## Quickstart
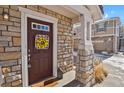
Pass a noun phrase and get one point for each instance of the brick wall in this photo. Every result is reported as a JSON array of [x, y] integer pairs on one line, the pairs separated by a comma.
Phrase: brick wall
[[10, 43]]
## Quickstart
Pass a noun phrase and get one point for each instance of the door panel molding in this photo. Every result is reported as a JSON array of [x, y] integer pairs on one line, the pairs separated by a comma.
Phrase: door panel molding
[[41, 60], [32, 14]]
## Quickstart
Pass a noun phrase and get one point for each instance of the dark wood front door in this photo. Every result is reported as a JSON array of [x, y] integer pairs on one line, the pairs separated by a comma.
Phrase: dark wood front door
[[40, 49]]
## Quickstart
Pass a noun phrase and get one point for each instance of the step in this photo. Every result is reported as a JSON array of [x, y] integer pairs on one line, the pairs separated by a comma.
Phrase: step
[[52, 84], [39, 84], [49, 82]]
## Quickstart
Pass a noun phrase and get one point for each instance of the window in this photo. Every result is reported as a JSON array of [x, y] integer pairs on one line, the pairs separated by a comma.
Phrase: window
[[88, 30], [37, 26], [109, 24], [100, 26], [34, 26]]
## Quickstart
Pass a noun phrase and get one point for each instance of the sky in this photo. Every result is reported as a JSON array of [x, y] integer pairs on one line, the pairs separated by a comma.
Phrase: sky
[[114, 11]]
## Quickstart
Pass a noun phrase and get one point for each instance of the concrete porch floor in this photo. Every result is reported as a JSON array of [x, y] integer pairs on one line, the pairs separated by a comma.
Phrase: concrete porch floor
[[115, 76], [74, 83]]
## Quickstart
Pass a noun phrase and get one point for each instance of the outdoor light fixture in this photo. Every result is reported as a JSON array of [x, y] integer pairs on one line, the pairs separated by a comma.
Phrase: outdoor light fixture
[[81, 14], [74, 33], [5, 15]]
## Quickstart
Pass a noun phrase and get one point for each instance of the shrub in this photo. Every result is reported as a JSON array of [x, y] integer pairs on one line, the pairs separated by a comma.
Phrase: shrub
[[99, 71]]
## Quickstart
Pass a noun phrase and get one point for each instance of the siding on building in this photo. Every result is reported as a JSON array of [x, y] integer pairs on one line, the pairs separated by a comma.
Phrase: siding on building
[[104, 33]]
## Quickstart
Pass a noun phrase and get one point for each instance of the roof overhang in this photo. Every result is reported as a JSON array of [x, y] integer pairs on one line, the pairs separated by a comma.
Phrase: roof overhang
[[96, 12], [62, 10], [74, 11]]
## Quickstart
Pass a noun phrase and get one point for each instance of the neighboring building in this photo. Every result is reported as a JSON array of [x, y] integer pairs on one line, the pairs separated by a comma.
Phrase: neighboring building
[[36, 44], [105, 35], [121, 38]]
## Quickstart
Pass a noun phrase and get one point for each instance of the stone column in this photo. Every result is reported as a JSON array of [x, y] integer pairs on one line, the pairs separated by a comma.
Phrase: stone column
[[84, 69], [116, 34], [115, 44]]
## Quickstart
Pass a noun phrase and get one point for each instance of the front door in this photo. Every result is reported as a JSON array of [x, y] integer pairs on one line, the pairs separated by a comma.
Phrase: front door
[[40, 50]]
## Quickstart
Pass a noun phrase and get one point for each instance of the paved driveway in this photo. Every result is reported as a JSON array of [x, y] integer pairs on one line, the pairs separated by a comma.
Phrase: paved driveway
[[115, 67]]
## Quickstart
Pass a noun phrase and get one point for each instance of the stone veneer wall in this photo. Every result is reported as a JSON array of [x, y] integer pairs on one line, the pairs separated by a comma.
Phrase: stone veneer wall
[[103, 44], [10, 46], [85, 69], [10, 43]]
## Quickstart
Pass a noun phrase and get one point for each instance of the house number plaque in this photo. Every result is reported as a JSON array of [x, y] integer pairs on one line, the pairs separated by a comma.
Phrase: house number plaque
[[41, 41]]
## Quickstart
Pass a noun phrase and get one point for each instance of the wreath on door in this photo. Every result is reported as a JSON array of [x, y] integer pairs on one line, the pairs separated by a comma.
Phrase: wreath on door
[[42, 41]]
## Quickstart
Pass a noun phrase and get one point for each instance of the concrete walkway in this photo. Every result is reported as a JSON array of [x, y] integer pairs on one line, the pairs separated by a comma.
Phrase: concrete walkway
[[115, 76]]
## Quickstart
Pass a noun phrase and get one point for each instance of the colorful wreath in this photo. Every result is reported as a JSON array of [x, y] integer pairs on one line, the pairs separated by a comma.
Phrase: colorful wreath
[[41, 43]]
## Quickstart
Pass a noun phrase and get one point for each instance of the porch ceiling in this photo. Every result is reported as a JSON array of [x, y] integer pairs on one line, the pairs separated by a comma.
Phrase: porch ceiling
[[62, 10], [73, 11], [95, 11]]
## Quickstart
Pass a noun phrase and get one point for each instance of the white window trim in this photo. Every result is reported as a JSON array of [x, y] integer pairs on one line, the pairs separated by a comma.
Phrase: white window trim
[[29, 13], [103, 35]]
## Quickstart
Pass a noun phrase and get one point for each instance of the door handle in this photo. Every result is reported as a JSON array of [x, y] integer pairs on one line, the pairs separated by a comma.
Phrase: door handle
[[29, 65], [29, 50], [29, 57]]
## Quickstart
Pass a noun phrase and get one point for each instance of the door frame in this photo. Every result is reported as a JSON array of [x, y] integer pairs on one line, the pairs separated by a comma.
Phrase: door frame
[[36, 15]]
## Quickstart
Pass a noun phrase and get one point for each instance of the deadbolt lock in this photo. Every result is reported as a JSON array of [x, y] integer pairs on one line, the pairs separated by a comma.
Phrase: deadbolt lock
[[29, 65]]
